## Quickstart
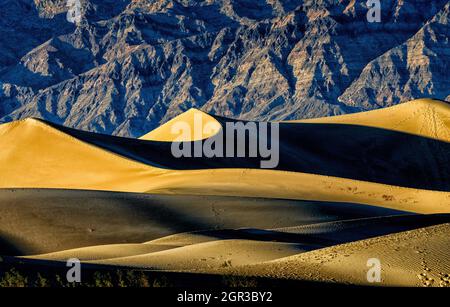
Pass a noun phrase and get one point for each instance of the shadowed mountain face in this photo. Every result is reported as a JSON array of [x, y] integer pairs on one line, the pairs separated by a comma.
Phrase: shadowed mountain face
[[132, 65]]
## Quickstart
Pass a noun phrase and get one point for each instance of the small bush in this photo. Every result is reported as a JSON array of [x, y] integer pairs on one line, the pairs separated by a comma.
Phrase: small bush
[[14, 279], [239, 282]]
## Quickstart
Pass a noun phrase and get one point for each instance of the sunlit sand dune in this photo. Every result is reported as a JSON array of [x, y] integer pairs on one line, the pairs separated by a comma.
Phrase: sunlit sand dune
[[418, 257], [192, 117], [425, 117], [53, 157], [209, 254], [35, 155], [289, 185], [347, 188]]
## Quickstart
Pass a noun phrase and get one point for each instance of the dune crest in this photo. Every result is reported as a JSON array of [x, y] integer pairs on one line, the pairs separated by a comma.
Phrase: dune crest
[[292, 185], [424, 117], [165, 133], [36, 155]]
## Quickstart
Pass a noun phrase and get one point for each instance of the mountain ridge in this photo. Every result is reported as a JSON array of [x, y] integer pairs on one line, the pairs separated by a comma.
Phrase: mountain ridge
[[127, 70]]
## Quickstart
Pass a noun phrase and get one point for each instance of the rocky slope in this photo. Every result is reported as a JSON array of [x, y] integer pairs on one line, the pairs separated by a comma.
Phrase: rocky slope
[[131, 65]]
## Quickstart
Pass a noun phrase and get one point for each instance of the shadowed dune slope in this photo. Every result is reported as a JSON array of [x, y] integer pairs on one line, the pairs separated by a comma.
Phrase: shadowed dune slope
[[316, 234], [215, 249], [40, 221]]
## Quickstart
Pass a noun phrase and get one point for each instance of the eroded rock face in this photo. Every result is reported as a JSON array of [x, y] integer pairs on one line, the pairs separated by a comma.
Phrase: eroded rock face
[[129, 66], [416, 68]]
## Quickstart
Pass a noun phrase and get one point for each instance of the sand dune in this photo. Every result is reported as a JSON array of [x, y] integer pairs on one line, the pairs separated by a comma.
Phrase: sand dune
[[356, 178], [210, 250], [35, 221], [413, 258], [424, 117], [290, 185], [350, 151], [165, 133], [101, 252], [36, 155], [76, 160], [204, 256], [315, 234]]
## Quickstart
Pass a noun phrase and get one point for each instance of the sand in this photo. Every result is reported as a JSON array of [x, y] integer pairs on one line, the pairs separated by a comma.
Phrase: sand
[[294, 252], [204, 256], [124, 202], [290, 185], [101, 252], [167, 132], [50, 158], [424, 117], [36, 155], [42, 221], [413, 258]]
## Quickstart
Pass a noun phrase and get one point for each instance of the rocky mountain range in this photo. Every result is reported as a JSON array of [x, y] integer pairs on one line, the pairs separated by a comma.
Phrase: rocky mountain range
[[131, 65]]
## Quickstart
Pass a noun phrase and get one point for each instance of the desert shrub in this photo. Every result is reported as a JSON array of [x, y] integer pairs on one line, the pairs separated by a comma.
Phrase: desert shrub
[[41, 282], [102, 280], [13, 278], [233, 281], [161, 282]]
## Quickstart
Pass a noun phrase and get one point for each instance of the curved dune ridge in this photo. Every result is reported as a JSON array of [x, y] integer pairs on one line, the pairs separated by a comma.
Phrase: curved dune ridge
[[53, 158], [424, 117], [37, 221], [413, 258], [212, 250], [347, 188], [168, 131], [35, 155]]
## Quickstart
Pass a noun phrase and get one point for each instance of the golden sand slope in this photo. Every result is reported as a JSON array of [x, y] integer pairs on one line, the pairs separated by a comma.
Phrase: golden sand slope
[[290, 185], [208, 255], [201, 256], [424, 117], [413, 258], [35, 155], [192, 117], [103, 252]]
